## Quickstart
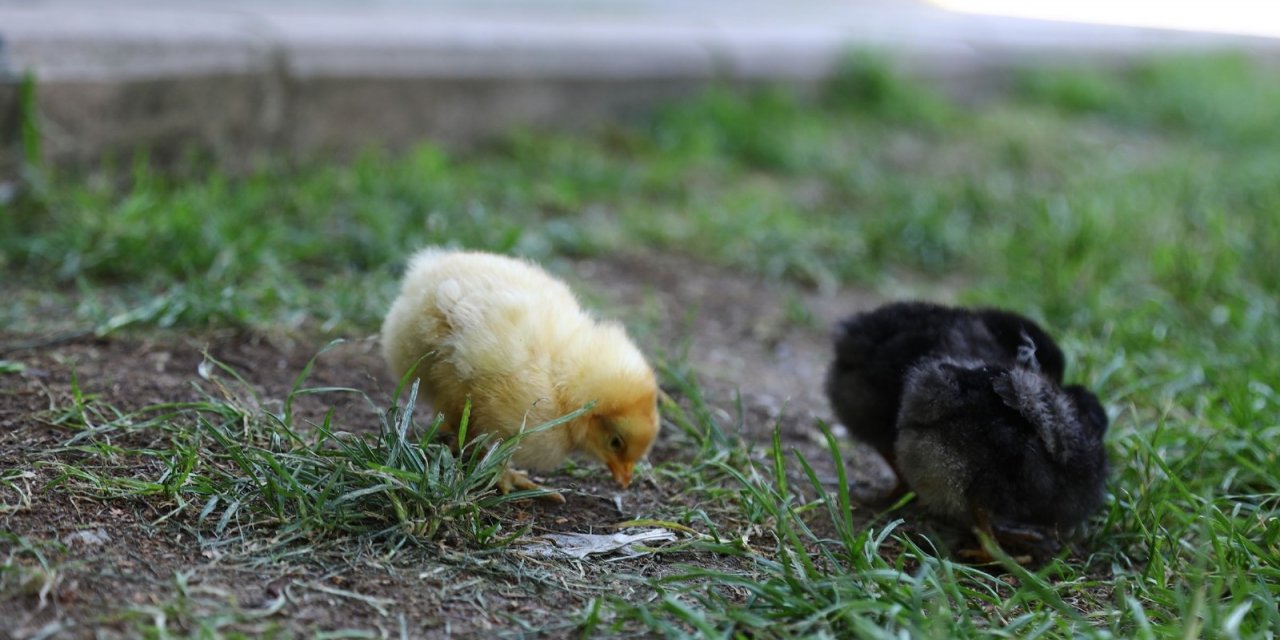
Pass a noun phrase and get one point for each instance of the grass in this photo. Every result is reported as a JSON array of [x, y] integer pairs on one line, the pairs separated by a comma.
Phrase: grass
[[1132, 210], [224, 460]]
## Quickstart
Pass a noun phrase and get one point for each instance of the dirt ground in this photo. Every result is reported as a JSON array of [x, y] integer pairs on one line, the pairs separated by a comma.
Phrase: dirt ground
[[762, 339]]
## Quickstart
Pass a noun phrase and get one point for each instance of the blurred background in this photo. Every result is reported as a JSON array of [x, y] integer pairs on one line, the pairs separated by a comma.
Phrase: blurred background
[[234, 80]]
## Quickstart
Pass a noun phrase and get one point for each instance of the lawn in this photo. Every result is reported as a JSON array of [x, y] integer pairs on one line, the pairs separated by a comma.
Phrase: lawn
[[197, 437]]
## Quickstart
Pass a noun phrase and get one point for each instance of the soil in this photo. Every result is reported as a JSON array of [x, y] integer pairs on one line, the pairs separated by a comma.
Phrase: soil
[[765, 340]]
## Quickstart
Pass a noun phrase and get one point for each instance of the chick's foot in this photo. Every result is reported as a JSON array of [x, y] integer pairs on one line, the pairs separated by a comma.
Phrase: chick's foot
[[516, 480], [1026, 544], [1039, 543], [982, 556]]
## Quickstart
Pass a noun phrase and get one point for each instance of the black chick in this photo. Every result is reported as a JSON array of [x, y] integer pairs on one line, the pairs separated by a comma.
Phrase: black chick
[[1002, 448], [875, 350]]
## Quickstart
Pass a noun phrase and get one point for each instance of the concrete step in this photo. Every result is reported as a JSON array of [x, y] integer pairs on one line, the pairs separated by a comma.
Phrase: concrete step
[[241, 79]]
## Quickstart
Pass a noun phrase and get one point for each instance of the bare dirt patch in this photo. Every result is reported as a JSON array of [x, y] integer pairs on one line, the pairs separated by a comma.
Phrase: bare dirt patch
[[764, 340]]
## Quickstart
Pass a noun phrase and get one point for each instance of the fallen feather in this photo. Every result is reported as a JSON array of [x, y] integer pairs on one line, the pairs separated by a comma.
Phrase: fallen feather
[[581, 545], [87, 537]]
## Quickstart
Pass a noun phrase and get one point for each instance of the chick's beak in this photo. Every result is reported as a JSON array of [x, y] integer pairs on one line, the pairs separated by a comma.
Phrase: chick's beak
[[622, 472]]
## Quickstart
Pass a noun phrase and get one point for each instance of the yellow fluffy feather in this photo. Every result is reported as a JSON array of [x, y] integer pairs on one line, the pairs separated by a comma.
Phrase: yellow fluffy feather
[[515, 340]]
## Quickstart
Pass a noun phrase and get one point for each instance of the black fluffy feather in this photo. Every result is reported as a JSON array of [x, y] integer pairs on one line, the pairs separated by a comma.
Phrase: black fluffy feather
[[1009, 442], [875, 350], [968, 408]]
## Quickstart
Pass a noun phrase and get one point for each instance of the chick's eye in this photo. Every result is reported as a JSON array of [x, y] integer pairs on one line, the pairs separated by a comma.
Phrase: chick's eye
[[615, 443]]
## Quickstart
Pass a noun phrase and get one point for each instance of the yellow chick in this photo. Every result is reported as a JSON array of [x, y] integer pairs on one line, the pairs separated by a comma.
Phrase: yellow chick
[[513, 339]]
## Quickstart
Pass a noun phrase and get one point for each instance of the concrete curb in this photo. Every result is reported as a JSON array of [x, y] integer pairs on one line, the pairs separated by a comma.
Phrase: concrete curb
[[238, 81]]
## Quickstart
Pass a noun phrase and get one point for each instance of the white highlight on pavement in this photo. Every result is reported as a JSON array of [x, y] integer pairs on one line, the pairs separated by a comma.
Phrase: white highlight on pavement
[[1240, 17]]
